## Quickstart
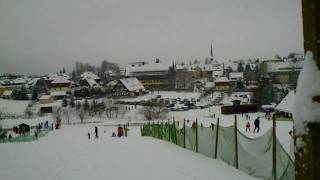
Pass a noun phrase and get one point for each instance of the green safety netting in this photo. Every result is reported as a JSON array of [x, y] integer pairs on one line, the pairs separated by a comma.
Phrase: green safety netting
[[226, 145], [254, 154], [25, 138], [207, 141], [190, 138], [285, 165]]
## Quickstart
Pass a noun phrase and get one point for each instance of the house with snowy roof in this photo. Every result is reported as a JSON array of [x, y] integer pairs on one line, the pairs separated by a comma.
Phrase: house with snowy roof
[[153, 75], [89, 79], [285, 108], [222, 84], [60, 84], [236, 76], [282, 71], [128, 87]]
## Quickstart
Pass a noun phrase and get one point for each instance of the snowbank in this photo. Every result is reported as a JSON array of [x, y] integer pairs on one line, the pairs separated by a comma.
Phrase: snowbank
[[305, 108]]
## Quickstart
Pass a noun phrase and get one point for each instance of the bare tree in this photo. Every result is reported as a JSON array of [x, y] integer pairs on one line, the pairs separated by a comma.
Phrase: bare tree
[[154, 111], [81, 113]]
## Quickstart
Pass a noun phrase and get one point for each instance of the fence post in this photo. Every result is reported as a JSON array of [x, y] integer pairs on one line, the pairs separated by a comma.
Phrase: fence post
[[184, 133], [125, 130], [196, 135], [217, 135], [236, 139], [274, 144]]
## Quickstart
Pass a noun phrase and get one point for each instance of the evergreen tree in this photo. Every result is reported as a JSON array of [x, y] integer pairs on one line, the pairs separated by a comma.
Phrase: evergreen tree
[[240, 66], [34, 94], [78, 106], [72, 103], [64, 102]]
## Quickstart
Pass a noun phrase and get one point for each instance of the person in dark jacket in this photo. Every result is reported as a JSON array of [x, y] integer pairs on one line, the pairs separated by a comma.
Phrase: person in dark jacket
[[88, 135], [96, 131], [256, 125]]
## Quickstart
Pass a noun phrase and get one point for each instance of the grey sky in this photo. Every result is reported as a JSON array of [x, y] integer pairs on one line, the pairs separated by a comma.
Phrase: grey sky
[[41, 36]]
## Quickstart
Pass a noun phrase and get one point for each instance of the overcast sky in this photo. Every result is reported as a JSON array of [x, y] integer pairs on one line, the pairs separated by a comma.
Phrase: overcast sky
[[42, 36]]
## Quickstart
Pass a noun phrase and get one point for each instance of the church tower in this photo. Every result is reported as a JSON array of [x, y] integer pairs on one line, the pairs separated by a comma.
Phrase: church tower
[[211, 54]]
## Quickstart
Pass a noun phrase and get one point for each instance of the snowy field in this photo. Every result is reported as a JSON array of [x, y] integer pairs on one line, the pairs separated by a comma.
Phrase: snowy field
[[68, 154], [13, 106]]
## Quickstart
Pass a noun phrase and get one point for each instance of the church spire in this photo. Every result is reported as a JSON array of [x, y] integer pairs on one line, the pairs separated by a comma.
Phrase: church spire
[[211, 53]]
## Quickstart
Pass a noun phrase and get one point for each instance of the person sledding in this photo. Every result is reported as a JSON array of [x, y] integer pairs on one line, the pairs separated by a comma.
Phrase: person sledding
[[120, 131]]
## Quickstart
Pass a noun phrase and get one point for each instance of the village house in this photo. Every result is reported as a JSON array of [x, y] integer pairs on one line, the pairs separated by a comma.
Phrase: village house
[[60, 84], [46, 99], [282, 71], [152, 75], [89, 79], [222, 84], [128, 87]]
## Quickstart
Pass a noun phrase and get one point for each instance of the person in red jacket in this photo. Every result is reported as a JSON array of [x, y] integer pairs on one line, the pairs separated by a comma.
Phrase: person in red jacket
[[248, 126], [120, 131]]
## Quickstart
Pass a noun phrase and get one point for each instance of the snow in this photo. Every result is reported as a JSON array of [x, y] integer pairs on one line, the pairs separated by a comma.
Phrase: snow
[[68, 154], [44, 97], [13, 106], [236, 75], [89, 75], [164, 94], [92, 82], [60, 80], [286, 105], [132, 84], [7, 93], [58, 93], [9, 123], [305, 108], [222, 79]]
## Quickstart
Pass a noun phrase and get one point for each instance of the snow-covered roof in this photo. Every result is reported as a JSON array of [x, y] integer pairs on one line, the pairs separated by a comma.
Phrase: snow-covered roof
[[7, 93], [92, 82], [60, 75], [89, 75], [209, 84], [132, 84], [58, 93], [286, 105], [203, 67], [60, 80], [148, 68], [222, 79], [236, 75], [44, 97], [111, 83], [278, 66]]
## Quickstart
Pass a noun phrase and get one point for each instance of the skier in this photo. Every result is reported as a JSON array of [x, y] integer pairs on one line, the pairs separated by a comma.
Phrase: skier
[[120, 131], [113, 134], [256, 125], [194, 125], [248, 126], [36, 134], [96, 131], [88, 135]]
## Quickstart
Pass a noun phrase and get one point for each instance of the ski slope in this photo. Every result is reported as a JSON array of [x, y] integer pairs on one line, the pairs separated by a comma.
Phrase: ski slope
[[68, 154]]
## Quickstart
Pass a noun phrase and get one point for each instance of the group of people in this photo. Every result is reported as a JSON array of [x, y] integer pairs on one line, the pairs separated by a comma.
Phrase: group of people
[[256, 125], [120, 132]]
